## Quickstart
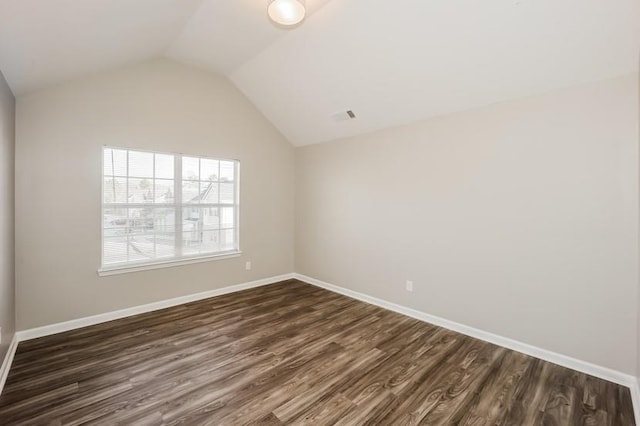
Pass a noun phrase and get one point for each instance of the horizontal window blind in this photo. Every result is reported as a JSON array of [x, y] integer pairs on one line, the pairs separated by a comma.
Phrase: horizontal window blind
[[159, 207]]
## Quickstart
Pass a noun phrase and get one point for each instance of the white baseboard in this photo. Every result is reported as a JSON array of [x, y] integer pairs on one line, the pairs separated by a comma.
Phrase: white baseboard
[[48, 330], [546, 355], [8, 359]]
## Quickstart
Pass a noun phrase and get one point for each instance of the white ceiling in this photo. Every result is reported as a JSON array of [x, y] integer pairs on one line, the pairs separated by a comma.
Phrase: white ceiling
[[391, 62], [224, 34], [43, 42], [394, 62]]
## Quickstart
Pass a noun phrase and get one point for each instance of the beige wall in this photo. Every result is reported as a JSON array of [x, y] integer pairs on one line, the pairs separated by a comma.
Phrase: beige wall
[[7, 282], [520, 219], [158, 105]]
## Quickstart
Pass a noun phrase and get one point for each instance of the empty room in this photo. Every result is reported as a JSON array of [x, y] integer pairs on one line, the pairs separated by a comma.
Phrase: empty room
[[327, 212]]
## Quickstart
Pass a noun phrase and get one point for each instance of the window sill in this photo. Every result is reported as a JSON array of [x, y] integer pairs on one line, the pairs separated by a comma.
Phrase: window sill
[[104, 272]]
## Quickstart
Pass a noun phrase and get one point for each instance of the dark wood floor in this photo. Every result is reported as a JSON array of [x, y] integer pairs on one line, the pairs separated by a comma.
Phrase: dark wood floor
[[291, 353]]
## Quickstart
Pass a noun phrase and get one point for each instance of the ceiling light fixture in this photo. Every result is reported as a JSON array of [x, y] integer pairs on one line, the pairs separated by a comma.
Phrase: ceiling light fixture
[[286, 12]]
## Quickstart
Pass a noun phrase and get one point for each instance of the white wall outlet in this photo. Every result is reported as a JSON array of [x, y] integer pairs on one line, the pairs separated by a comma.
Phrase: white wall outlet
[[409, 285], [247, 266]]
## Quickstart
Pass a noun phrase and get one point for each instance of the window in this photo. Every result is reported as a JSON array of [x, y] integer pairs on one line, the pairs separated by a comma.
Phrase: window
[[161, 208]]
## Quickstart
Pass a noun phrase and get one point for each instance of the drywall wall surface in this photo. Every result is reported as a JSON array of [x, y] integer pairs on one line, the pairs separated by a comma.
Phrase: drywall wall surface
[[157, 105], [7, 276], [520, 219]]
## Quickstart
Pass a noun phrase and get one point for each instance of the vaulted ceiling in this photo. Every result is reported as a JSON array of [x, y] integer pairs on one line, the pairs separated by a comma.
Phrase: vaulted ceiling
[[391, 62]]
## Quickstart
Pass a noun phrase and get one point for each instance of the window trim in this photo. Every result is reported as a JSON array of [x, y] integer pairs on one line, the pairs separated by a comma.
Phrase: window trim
[[121, 268], [107, 271]]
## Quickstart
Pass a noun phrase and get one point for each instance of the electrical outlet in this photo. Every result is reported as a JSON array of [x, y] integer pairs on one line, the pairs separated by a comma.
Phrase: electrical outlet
[[247, 266], [409, 285]]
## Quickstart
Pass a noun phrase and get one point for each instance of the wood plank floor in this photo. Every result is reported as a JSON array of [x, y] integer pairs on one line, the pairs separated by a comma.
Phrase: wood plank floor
[[291, 353]]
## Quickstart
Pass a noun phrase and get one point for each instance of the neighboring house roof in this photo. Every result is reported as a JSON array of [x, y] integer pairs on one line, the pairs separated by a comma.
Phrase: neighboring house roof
[[208, 195], [115, 191]]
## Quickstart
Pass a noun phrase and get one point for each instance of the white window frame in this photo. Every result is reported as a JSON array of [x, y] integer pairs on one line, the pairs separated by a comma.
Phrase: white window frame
[[179, 205]]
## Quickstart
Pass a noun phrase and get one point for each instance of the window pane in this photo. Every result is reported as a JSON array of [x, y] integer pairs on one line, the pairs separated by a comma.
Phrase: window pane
[[190, 192], [164, 191], [203, 242], [210, 242], [191, 242], [227, 193], [227, 239], [114, 190], [190, 168], [114, 222], [141, 247], [141, 221], [165, 244], [114, 250], [209, 192], [199, 226], [165, 219], [164, 227], [140, 191], [227, 217], [115, 162], [208, 170], [200, 218], [227, 173], [210, 218], [140, 164], [191, 219], [164, 166], [107, 162]]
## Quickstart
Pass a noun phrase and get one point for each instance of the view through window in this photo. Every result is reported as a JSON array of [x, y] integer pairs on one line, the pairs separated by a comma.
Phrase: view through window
[[159, 207]]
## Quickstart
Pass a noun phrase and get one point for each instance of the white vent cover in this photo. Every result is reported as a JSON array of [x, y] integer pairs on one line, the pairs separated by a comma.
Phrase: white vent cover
[[343, 116]]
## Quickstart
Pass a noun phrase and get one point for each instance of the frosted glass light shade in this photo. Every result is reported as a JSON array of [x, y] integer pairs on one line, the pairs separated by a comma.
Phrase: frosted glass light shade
[[286, 12]]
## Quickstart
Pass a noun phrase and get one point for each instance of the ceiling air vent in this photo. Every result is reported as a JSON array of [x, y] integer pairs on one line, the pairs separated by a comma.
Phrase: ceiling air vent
[[343, 116]]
